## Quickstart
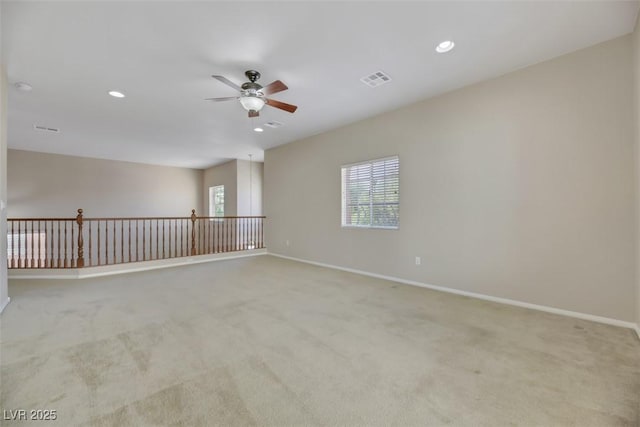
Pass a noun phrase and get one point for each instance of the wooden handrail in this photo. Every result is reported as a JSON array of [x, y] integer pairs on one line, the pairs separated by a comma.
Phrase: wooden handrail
[[116, 218], [133, 218], [140, 218], [52, 242], [41, 219], [228, 217]]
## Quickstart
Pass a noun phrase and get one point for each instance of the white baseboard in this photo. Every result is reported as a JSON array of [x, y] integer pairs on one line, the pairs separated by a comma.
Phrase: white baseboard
[[108, 270], [6, 303], [578, 315], [637, 328]]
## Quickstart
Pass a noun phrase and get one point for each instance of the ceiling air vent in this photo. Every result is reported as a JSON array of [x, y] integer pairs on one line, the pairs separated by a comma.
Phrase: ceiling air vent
[[273, 124], [46, 129], [376, 79]]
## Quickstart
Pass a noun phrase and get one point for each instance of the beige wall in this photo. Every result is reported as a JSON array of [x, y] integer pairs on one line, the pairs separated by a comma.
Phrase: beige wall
[[636, 120], [225, 174], [250, 188], [520, 187], [240, 186], [3, 188], [42, 184]]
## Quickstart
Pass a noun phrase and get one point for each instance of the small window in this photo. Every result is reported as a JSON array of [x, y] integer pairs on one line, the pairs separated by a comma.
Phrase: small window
[[216, 200], [370, 194]]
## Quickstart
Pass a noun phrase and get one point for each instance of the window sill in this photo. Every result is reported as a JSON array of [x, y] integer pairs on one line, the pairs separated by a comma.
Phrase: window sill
[[370, 227]]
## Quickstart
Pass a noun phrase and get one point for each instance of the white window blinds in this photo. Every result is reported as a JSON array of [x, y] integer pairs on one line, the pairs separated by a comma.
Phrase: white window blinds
[[370, 194], [216, 200]]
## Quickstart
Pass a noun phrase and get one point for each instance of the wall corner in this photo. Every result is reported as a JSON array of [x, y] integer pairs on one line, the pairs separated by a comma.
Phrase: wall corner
[[636, 143]]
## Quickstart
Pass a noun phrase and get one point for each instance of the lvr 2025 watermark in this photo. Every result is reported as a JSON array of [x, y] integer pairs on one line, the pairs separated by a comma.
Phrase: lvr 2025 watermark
[[29, 414]]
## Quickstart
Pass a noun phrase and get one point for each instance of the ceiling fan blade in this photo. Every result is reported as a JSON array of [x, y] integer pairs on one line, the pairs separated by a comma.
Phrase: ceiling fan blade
[[281, 105], [274, 87], [228, 82], [254, 113], [228, 98]]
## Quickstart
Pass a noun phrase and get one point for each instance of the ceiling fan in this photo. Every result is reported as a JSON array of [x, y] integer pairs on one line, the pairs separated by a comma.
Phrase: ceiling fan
[[253, 96]]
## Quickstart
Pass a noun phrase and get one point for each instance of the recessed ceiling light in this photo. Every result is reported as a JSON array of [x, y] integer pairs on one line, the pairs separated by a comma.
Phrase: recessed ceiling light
[[258, 129], [116, 94], [445, 46], [23, 87]]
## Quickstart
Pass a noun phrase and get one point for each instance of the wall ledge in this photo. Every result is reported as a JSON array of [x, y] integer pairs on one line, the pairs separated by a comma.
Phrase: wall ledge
[[544, 308], [108, 270]]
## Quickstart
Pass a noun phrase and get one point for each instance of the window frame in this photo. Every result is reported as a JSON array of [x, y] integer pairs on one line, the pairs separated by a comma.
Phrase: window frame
[[344, 205]]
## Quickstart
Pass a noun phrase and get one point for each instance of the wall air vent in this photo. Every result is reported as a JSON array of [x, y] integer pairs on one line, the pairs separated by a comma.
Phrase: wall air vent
[[376, 79], [273, 124], [46, 129]]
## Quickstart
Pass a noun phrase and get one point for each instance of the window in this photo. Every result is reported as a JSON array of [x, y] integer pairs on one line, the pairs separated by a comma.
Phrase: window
[[216, 200], [370, 194]]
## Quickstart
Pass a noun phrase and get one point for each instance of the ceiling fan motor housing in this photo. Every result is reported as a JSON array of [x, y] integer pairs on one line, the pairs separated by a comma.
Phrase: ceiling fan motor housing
[[252, 75], [251, 88]]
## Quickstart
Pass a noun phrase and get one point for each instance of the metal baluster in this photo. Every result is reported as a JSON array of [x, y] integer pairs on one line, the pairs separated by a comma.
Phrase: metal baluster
[[98, 226], [210, 235], [175, 238], [72, 261], [13, 245], [170, 238], [137, 240], [114, 241], [65, 249], [144, 241], [90, 244], [58, 258]]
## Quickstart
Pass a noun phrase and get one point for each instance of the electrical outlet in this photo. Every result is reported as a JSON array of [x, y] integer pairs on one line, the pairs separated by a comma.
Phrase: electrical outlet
[[418, 260], [287, 243]]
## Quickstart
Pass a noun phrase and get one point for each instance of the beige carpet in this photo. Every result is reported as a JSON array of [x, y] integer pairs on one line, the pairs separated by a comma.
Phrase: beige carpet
[[265, 341]]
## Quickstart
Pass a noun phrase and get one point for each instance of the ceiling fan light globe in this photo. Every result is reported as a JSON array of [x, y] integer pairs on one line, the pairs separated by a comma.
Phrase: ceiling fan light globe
[[252, 103]]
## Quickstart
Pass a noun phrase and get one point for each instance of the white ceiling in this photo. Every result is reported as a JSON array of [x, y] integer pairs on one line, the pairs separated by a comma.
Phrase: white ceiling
[[162, 56]]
